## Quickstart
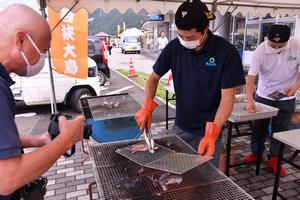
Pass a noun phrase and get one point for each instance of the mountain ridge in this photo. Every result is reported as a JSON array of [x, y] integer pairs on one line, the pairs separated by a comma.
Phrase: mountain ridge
[[115, 18]]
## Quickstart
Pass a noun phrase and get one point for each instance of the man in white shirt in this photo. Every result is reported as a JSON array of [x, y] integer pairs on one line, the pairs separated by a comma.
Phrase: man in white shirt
[[161, 42], [276, 62]]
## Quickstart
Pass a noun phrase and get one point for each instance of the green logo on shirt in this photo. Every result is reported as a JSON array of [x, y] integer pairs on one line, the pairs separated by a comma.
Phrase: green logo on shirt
[[292, 58], [211, 62]]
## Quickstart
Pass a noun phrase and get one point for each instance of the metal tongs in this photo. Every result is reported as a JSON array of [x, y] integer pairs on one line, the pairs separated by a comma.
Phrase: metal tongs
[[149, 138]]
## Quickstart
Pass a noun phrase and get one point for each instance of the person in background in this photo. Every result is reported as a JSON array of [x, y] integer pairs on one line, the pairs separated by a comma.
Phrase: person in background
[[276, 62], [161, 42], [206, 70], [25, 37], [109, 46]]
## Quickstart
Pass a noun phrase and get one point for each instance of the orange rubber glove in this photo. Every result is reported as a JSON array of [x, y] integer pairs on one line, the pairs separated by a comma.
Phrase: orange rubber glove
[[208, 142], [144, 115]]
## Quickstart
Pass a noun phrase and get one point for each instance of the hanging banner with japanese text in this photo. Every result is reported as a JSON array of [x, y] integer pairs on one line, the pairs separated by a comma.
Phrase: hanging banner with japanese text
[[69, 42]]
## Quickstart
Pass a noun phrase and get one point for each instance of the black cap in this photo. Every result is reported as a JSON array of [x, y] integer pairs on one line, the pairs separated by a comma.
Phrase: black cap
[[279, 33], [193, 14]]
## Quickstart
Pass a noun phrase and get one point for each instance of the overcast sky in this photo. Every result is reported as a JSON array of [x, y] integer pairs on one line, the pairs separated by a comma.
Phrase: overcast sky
[[31, 3]]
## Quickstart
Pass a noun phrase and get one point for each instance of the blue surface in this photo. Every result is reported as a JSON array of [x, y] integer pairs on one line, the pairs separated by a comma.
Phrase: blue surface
[[292, 127], [116, 129], [241, 52]]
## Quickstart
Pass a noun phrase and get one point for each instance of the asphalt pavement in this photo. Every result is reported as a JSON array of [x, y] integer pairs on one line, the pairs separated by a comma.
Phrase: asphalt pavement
[[142, 62]]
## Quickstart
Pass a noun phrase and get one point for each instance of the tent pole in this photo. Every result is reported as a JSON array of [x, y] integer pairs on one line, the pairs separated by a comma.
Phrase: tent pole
[[214, 9], [52, 91], [76, 2]]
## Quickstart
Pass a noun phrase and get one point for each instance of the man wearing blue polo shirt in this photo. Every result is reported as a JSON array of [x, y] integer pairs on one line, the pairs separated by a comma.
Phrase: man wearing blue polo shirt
[[206, 70]]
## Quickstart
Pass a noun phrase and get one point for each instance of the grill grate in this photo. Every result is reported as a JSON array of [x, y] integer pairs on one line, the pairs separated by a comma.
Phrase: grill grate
[[145, 157], [120, 178], [164, 159], [178, 163], [221, 190], [109, 106]]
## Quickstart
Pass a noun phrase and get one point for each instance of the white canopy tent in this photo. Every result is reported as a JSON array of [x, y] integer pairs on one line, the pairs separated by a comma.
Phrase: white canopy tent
[[255, 7], [131, 32]]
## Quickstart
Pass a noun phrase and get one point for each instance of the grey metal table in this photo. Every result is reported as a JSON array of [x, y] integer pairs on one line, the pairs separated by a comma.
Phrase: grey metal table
[[241, 115], [120, 178], [290, 138], [169, 89], [297, 107]]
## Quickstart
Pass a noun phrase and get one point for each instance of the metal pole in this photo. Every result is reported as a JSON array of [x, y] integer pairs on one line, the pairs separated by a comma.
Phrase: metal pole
[[259, 154], [259, 31], [167, 109], [245, 34], [228, 148], [233, 29], [76, 2], [277, 176], [213, 9], [52, 91]]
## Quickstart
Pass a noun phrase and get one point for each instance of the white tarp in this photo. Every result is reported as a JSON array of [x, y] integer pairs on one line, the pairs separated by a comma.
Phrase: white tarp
[[255, 7], [121, 5], [261, 7], [132, 32]]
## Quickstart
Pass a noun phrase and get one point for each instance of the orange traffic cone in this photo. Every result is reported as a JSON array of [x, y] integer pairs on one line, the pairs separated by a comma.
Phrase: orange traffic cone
[[170, 80], [131, 69]]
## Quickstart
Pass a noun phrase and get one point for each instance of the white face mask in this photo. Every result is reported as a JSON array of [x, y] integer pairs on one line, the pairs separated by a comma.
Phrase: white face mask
[[276, 50], [191, 44], [32, 70], [273, 50]]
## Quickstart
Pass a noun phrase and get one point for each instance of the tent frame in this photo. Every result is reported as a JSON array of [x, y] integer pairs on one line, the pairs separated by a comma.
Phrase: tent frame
[[53, 103]]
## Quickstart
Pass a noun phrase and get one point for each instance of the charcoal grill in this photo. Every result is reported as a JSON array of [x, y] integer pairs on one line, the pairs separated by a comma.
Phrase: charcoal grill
[[120, 178], [112, 117]]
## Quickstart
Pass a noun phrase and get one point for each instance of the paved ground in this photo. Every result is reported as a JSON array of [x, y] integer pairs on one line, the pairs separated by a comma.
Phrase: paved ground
[[69, 177], [261, 187], [142, 62]]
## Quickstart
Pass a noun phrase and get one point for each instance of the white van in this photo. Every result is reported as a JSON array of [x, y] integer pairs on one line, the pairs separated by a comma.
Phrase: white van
[[36, 90], [131, 44]]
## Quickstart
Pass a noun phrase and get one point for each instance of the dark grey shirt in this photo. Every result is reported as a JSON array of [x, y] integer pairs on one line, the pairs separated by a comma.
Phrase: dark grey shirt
[[10, 144]]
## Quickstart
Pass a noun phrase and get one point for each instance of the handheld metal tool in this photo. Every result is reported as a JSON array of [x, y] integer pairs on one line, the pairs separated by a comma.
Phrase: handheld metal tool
[[149, 138]]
